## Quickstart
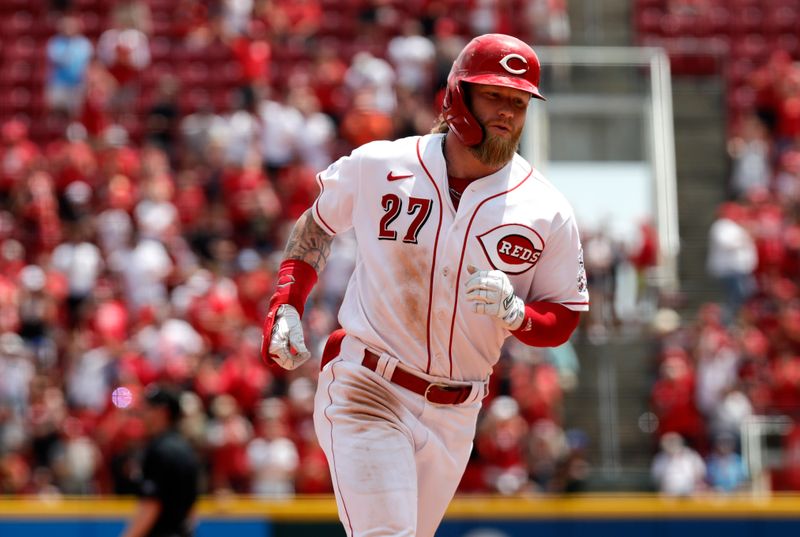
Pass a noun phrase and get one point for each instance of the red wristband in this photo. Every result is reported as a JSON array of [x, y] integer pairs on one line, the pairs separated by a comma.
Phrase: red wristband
[[546, 324], [295, 280]]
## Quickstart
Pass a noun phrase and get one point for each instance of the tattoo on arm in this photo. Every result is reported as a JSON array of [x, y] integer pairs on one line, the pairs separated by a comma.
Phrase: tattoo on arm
[[309, 242]]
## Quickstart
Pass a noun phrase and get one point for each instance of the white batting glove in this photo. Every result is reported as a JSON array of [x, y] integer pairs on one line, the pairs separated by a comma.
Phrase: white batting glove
[[287, 346], [491, 293]]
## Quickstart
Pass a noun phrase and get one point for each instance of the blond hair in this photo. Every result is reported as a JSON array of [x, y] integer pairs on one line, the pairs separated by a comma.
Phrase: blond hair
[[440, 126]]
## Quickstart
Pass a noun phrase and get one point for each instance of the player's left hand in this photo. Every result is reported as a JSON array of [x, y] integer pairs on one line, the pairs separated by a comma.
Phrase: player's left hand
[[491, 293], [287, 346]]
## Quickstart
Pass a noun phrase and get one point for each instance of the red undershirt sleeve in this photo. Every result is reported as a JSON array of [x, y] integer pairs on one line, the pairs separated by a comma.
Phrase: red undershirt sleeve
[[546, 324]]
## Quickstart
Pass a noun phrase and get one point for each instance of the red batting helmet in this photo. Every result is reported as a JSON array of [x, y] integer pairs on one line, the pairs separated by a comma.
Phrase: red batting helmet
[[493, 59]]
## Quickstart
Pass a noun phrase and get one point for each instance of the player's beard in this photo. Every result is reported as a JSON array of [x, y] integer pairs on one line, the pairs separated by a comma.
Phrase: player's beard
[[495, 150]]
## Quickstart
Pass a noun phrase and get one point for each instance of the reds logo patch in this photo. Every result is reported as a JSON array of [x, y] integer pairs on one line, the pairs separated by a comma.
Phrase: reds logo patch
[[512, 248]]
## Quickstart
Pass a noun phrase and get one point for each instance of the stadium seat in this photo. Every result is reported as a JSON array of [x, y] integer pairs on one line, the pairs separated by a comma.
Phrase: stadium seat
[[753, 46], [160, 48], [780, 20], [649, 21], [748, 20]]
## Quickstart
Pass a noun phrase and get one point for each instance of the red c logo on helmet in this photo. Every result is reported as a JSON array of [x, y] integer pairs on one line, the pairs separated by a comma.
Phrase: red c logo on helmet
[[507, 58]]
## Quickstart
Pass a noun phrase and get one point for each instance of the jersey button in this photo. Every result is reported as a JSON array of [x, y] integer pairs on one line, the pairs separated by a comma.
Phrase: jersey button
[[445, 272]]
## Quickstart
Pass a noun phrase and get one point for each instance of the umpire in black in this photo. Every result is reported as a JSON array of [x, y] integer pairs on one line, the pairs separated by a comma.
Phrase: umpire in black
[[170, 471]]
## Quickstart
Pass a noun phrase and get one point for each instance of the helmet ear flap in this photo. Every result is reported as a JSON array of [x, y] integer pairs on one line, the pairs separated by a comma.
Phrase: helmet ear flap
[[458, 116]]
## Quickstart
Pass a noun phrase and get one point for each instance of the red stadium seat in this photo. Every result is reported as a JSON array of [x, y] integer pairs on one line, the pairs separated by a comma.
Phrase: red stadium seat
[[782, 19], [160, 48], [648, 21], [749, 19], [753, 46], [789, 42], [737, 71]]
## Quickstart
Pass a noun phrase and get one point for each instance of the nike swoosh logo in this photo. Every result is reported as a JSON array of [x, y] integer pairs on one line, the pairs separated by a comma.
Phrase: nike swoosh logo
[[391, 177]]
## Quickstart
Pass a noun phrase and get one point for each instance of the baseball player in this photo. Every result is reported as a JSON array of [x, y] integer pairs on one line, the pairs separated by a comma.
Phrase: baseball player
[[461, 244]]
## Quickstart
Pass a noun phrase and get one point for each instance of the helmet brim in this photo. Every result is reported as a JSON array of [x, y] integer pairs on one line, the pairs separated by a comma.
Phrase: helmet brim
[[492, 79]]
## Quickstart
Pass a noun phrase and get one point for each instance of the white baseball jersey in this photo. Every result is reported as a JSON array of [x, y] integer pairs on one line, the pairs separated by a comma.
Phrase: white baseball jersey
[[405, 297]]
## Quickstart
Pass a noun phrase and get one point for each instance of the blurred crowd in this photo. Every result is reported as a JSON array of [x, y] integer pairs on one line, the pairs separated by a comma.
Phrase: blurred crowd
[[741, 358], [143, 209]]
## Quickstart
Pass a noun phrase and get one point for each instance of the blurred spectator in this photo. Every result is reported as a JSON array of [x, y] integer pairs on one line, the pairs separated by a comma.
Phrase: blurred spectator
[[318, 130], [749, 151], [412, 55], [170, 345], [243, 376], [228, 435], [235, 15], [766, 82], [732, 256], [101, 87], [191, 23], [549, 21], [413, 116], [241, 138], [40, 298], [788, 476], [787, 180], [133, 13], [500, 441], [601, 256], [717, 369], [327, 80], [163, 116], [76, 460], [368, 75], [573, 469], [68, 54], [253, 53], [125, 51], [546, 447], [365, 121], [726, 470], [201, 129], [490, 16], [17, 155], [80, 260], [16, 373], [728, 417], [40, 213], [281, 128], [644, 257], [677, 469], [673, 398], [272, 456]]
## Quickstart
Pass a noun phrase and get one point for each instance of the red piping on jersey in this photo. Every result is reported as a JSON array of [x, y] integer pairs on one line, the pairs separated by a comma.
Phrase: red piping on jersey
[[461, 263], [316, 205], [333, 457], [433, 261], [574, 303]]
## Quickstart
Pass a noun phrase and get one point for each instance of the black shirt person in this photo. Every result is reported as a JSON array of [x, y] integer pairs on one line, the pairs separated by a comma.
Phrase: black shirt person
[[169, 472]]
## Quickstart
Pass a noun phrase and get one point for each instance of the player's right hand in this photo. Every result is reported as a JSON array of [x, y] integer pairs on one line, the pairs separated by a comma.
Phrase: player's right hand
[[287, 346]]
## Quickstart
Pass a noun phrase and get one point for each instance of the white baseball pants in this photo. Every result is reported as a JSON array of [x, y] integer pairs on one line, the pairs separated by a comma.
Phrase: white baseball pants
[[395, 459]]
